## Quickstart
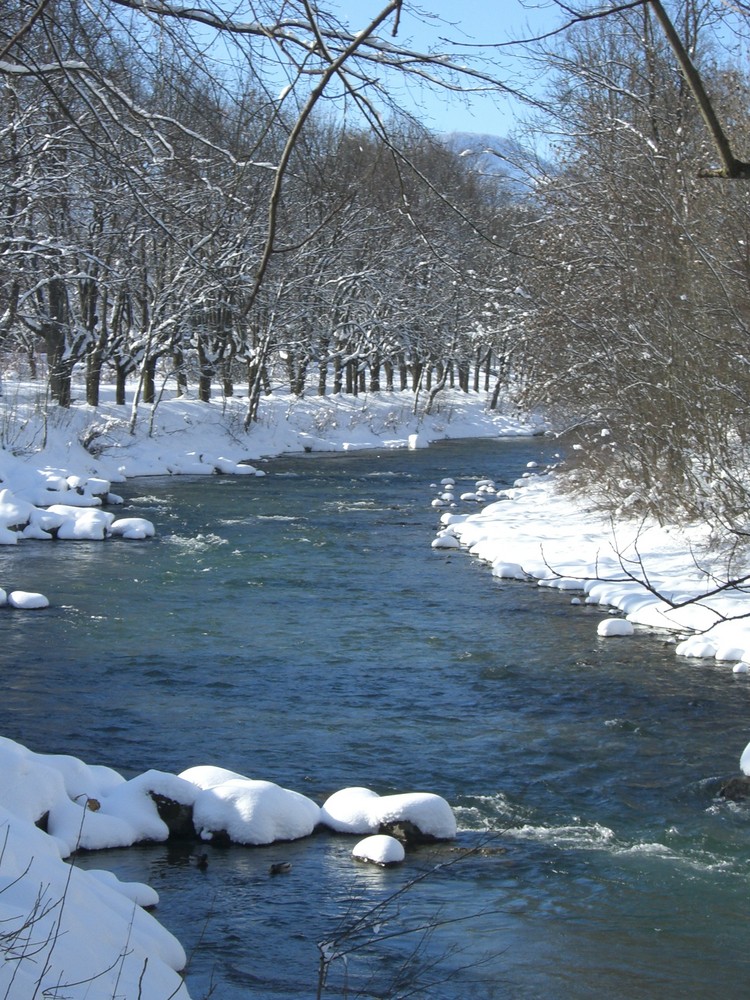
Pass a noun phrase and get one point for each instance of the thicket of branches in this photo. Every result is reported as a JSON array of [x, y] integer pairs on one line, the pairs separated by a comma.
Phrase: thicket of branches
[[641, 307], [176, 194]]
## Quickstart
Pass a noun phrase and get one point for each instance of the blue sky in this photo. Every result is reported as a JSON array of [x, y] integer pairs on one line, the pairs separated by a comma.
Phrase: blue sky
[[471, 22]]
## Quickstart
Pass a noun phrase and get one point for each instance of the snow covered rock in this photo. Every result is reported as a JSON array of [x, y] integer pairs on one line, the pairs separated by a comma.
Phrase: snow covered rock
[[229, 467], [136, 528], [698, 646], [410, 816], [417, 817], [14, 512], [27, 601], [446, 541], [246, 811], [508, 570], [351, 810], [82, 523], [615, 627], [379, 849]]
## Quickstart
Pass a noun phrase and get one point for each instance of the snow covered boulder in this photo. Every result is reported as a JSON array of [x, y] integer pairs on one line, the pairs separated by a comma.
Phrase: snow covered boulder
[[82, 523], [14, 512], [29, 788], [208, 776], [737, 789], [416, 817], [157, 804], [27, 601], [446, 541], [615, 627], [698, 646], [508, 570], [229, 467], [351, 810], [133, 528], [246, 811], [411, 817], [379, 849], [42, 524]]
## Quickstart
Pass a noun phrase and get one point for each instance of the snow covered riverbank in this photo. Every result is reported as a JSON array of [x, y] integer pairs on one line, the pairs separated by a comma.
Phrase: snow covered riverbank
[[662, 578]]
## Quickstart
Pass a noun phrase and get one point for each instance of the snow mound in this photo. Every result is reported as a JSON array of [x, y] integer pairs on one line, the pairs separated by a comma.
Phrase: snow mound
[[247, 811], [380, 849], [446, 541], [360, 810], [132, 528], [26, 600], [615, 627]]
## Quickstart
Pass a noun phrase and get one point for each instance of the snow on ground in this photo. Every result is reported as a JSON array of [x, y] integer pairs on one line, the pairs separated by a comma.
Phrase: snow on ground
[[658, 577]]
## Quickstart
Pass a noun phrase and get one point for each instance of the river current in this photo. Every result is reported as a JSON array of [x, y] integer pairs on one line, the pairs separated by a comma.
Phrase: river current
[[299, 628]]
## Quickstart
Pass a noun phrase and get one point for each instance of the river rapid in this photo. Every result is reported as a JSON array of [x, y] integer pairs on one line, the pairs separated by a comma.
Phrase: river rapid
[[299, 628]]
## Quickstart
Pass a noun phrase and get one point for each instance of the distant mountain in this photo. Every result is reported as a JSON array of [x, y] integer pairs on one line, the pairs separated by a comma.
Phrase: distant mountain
[[495, 157]]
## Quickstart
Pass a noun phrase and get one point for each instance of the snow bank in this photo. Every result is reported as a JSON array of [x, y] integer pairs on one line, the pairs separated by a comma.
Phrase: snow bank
[[100, 938], [66, 926], [648, 572]]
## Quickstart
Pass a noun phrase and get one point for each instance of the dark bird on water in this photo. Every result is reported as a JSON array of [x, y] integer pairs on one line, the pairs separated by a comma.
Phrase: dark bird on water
[[280, 868]]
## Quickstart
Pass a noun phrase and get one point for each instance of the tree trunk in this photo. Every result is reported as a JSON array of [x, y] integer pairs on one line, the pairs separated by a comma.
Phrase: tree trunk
[[93, 377], [178, 359], [205, 375], [121, 375], [375, 374], [227, 382], [337, 376], [60, 368], [149, 381]]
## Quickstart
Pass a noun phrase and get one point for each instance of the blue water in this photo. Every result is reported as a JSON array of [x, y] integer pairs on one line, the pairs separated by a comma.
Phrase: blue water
[[299, 628]]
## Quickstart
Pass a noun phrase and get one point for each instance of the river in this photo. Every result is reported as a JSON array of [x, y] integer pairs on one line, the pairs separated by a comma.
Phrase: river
[[299, 628]]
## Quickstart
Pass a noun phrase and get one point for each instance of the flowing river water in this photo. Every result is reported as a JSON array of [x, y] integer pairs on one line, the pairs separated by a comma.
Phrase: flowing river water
[[299, 628]]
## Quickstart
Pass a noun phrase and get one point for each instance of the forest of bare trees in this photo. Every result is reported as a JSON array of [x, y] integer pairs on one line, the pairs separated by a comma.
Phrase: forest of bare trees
[[237, 201], [162, 211]]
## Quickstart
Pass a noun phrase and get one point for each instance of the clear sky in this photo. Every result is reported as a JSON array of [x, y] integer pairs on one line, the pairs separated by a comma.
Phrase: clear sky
[[469, 23]]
